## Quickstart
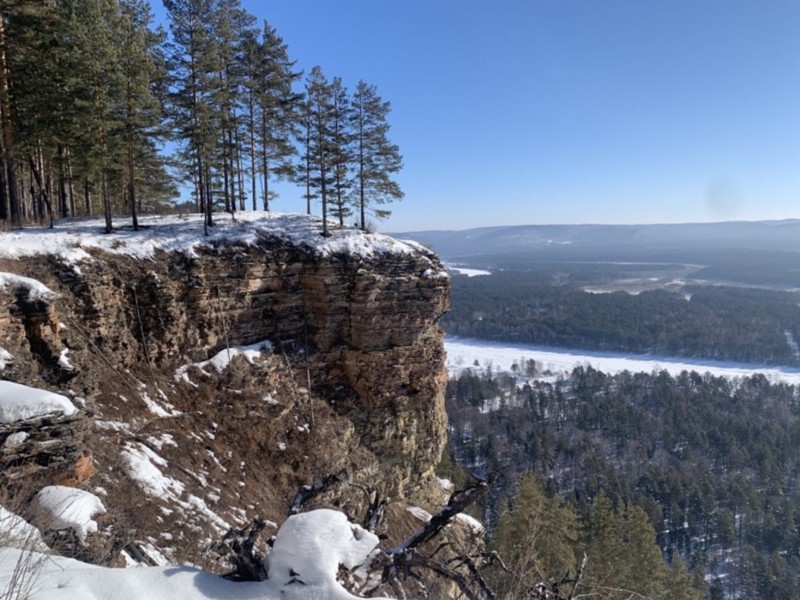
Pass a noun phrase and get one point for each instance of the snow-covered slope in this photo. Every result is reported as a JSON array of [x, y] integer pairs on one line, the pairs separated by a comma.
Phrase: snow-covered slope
[[303, 565]]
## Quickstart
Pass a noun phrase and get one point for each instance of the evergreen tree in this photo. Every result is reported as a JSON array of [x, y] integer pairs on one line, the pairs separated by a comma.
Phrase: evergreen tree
[[194, 67], [536, 539], [273, 110], [320, 149], [141, 62], [341, 150], [377, 159], [680, 585]]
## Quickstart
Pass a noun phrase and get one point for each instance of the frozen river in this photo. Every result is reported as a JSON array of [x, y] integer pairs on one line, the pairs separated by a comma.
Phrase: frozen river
[[463, 352]]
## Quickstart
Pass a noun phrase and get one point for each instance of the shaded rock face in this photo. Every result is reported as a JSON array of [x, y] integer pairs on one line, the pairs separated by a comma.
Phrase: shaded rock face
[[354, 380]]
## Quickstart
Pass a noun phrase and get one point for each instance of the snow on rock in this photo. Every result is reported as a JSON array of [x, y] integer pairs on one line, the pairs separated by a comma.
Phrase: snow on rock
[[475, 526], [311, 545], [20, 402], [420, 513], [64, 362], [36, 289], [222, 359], [15, 439], [60, 507], [142, 465], [5, 358], [16, 532], [69, 239]]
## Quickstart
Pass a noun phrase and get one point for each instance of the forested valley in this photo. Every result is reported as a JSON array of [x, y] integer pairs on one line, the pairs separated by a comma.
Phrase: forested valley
[[753, 325], [104, 113], [712, 462]]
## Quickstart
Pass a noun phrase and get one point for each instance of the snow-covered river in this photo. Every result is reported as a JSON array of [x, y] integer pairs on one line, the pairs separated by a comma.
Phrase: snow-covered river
[[463, 352]]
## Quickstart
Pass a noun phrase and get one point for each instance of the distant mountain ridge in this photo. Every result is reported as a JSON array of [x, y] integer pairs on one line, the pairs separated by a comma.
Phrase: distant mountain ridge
[[573, 241]]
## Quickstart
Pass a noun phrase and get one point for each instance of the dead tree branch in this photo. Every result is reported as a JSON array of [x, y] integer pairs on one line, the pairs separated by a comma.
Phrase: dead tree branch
[[307, 492]]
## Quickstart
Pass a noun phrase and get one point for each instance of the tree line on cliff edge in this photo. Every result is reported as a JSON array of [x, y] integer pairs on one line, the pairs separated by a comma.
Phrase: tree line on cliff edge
[[91, 94]]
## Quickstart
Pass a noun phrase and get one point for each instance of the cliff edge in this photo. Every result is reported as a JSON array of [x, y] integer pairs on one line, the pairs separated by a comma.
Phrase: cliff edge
[[214, 375]]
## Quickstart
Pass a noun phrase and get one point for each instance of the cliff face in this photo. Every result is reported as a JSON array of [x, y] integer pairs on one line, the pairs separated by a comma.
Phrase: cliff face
[[325, 360]]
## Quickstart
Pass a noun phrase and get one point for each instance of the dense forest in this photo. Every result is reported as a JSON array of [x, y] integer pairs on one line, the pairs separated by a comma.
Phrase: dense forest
[[92, 95], [732, 323], [713, 462]]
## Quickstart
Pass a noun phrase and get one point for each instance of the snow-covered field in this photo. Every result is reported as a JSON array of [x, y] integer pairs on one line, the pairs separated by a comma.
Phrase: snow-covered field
[[462, 353]]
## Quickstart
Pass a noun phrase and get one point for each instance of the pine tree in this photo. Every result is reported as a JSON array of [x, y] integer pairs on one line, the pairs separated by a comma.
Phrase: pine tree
[[95, 26], [377, 159], [193, 67], [623, 557], [140, 60], [341, 150], [679, 584], [536, 539], [274, 110], [320, 150]]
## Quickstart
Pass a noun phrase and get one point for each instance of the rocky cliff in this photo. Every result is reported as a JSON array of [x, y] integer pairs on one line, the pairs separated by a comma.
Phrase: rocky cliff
[[214, 376]]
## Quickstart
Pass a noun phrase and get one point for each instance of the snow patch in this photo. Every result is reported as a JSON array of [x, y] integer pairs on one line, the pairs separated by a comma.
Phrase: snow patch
[[16, 532], [15, 439], [20, 402], [64, 362], [142, 465], [302, 565], [420, 513], [36, 289], [59, 507], [475, 526], [5, 358], [69, 239], [222, 359], [468, 272]]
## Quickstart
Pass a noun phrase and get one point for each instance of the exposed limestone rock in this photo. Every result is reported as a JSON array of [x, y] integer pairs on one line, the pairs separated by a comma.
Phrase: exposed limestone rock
[[355, 380]]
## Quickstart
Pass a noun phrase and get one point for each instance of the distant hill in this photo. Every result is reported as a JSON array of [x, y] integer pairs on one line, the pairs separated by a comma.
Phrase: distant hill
[[568, 240], [763, 253]]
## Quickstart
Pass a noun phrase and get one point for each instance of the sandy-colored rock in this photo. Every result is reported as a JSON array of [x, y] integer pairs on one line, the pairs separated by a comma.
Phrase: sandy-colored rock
[[355, 380]]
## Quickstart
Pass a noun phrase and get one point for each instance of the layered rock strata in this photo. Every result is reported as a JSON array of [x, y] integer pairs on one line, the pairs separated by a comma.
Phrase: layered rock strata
[[351, 379]]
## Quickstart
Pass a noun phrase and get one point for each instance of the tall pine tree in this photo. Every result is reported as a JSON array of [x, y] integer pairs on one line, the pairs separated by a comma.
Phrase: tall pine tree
[[377, 159]]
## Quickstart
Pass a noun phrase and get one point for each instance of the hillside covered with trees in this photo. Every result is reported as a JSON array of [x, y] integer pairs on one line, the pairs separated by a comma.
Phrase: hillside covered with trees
[[103, 113], [750, 325], [712, 462]]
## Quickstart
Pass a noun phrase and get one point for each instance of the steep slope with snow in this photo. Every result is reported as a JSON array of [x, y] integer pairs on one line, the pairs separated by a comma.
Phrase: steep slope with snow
[[210, 377]]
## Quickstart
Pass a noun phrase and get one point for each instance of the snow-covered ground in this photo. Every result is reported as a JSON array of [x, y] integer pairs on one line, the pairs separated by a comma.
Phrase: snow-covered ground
[[462, 353], [70, 239], [302, 565]]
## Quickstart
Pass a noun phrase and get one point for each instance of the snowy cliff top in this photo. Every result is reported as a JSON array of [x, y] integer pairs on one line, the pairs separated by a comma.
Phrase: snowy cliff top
[[69, 239]]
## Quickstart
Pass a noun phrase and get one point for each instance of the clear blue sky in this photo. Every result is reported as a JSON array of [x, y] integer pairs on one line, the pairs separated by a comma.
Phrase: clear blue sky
[[570, 111]]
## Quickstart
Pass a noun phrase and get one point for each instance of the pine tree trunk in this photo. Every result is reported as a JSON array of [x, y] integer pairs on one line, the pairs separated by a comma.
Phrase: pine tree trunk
[[63, 205], [70, 183], [8, 136], [132, 184], [87, 196], [265, 160], [252, 127]]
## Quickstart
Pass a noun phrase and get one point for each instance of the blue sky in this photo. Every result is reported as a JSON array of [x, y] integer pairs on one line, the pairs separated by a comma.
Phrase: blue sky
[[570, 111]]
